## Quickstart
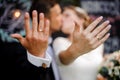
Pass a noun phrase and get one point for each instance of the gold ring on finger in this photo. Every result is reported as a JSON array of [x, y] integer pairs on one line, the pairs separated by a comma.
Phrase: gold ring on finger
[[98, 38], [40, 30]]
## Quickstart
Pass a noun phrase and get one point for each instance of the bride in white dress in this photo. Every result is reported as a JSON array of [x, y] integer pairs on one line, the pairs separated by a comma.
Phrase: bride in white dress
[[85, 67]]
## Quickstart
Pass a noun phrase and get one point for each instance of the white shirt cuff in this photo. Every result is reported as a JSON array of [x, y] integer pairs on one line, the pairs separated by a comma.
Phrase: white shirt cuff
[[38, 61]]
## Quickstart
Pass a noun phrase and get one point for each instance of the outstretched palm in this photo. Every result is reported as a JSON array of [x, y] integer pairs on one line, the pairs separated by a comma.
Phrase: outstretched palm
[[36, 40], [85, 40]]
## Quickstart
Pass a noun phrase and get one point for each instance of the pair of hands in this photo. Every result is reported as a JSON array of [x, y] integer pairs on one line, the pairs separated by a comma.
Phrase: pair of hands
[[36, 40]]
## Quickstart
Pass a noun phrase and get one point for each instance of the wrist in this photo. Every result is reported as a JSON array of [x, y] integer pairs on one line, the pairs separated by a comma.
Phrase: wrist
[[37, 53]]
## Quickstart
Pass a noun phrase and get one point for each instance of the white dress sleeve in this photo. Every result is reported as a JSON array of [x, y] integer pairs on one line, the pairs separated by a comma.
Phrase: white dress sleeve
[[96, 56], [60, 44]]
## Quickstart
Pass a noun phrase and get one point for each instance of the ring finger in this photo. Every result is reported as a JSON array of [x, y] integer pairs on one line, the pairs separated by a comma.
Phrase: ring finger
[[41, 22], [99, 28], [101, 34]]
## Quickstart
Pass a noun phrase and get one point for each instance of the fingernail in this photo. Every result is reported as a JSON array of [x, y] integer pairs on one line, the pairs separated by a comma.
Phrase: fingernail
[[34, 11], [108, 34], [101, 17], [26, 14], [107, 21], [109, 26], [47, 21], [41, 15]]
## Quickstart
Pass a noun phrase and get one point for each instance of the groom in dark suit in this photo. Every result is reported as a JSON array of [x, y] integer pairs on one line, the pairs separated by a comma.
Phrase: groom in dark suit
[[16, 64]]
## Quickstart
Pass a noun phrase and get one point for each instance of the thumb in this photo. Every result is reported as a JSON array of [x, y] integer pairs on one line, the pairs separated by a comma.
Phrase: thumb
[[78, 27], [17, 36]]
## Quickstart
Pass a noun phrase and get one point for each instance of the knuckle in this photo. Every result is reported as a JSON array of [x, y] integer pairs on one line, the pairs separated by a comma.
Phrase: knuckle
[[28, 38], [45, 39], [98, 28], [88, 38], [34, 38]]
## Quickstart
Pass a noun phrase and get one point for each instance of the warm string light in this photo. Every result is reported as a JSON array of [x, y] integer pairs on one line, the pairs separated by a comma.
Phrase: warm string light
[[17, 13]]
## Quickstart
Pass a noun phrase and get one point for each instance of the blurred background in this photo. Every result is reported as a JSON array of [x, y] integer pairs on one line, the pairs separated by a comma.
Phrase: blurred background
[[12, 18]]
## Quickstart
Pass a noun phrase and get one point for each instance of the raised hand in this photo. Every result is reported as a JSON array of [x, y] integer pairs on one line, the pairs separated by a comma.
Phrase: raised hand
[[85, 40], [36, 40], [90, 38]]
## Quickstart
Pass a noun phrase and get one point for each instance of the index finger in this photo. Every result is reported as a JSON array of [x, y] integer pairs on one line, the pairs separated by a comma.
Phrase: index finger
[[27, 23], [93, 24]]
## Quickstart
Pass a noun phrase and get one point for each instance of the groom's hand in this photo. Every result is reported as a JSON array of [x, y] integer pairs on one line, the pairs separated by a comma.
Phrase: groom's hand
[[36, 40]]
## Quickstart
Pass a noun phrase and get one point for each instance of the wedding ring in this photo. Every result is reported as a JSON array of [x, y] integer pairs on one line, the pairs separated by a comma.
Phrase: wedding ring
[[98, 38], [40, 30]]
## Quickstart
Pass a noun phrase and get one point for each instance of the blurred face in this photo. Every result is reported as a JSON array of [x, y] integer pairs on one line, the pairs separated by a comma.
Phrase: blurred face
[[68, 22], [69, 17], [55, 18]]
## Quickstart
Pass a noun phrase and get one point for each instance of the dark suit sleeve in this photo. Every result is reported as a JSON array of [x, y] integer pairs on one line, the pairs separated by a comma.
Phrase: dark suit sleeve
[[14, 63]]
